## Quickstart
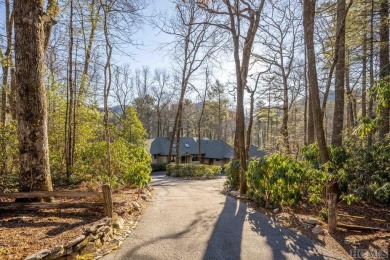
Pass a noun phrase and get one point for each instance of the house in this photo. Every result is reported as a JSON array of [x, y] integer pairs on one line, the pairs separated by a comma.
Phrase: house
[[188, 150], [216, 152], [213, 152]]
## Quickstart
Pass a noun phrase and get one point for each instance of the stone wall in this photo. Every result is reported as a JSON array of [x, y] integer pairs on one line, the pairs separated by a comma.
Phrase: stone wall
[[92, 239], [94, 236]]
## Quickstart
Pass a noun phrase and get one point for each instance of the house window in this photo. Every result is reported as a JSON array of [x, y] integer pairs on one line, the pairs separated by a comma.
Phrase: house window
[[195, 158], [155, 156], [217, 160], [187, 145]]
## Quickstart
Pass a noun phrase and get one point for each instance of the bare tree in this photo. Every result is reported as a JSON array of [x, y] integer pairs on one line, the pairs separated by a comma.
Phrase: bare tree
[[195, 42], [162, 96], [241, 19], [281, 32]]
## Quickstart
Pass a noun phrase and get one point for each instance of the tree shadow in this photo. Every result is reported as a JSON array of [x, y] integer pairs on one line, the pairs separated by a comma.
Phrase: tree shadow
[[225, 241], [276, 242], [135, 253], [55, 222]]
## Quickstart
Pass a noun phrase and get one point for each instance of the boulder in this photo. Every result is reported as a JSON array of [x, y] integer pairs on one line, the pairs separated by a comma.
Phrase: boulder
[[88, 249], [119, 223], [311, 221], [75, 241], [136, 206], [56, 252], [318, 230], [39, 255]]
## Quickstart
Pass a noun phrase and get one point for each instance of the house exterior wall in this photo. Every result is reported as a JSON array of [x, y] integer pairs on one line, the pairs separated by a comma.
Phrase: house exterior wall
[[159, 158], [215, 162], [164, 159]]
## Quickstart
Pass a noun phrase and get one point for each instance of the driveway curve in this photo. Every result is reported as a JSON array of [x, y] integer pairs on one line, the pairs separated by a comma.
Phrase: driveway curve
[[193, 220]]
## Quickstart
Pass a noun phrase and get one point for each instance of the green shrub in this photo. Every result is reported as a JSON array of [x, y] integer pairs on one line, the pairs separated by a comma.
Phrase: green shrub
[[232, 170], [129, 165], [192, 170], [159, 167], [362, 172], [279, 179]]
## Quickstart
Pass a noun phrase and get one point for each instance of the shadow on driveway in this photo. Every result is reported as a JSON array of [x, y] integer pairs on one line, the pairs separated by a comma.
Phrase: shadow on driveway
[[275, 242]]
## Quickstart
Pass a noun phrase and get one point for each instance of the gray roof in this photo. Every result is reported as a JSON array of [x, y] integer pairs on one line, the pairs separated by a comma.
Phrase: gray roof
[[254, 152], [160, 146], [216, 149]]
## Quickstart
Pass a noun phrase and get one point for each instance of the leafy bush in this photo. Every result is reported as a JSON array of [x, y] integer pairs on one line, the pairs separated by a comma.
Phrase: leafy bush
[[192, 170], [232, 170], [366, 172], [279, 179], [9, 156], [362, 172], [159, 167]]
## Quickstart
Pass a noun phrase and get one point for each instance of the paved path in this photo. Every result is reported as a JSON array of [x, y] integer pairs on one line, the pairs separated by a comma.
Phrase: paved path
[[193, 220]]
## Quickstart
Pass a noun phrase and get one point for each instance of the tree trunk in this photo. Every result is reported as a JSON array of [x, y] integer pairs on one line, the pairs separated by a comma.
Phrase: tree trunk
[[31, 97], [305, 123], [107, 87], [7, 59], [371, 101], [364, 76], [338, 115], [285, 117], [250, 123], [350, 98], [69, 104], [384, 109], [308, 21]]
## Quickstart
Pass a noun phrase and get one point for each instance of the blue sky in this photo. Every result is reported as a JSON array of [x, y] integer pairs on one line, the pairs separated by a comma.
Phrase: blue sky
[[148, 53]]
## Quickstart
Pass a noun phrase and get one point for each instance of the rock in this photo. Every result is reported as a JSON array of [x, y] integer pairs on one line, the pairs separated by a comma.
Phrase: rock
[[136, 206], [98, 243], [149, 187], [73, 256], [75, 241], [81, 244], [318, 230], [276, 210], [90, 229], [283, 217], [311, 221], [38, 255], [106, 238], [56, 253], [146, 192], [234, 193], [107, 230], [119, 223], [69, 251], [88, 249]]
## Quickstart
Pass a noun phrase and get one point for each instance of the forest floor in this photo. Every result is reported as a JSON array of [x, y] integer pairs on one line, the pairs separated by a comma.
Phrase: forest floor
[[343, 240], [25, 233]]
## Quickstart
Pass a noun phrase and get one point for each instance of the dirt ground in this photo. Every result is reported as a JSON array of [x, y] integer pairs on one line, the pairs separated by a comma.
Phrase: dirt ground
[[343, 240], [26, 232]]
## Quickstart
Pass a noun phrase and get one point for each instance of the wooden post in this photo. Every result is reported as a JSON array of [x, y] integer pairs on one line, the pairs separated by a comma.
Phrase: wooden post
[[107, 197], [332, 212]]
